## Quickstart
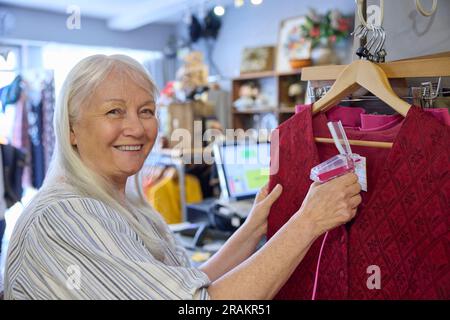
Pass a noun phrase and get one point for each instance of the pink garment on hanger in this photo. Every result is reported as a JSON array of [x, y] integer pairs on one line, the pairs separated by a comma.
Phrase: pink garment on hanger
[[370, 121], [349, 116], [402, 224], [374, 122], [441, 114], [377, 122], [357, 118]]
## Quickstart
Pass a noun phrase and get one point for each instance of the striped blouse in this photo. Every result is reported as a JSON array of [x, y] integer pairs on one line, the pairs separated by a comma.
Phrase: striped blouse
[[66, 246]]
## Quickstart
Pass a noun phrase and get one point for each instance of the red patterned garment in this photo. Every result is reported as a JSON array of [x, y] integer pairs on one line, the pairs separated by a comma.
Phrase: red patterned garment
[[402, 225]]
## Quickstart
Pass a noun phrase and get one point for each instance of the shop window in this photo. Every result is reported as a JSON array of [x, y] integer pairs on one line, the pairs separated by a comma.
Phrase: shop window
[[9, 69]]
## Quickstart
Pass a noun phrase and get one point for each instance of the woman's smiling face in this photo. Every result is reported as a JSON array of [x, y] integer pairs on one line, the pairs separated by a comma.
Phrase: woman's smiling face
[[116, 130]]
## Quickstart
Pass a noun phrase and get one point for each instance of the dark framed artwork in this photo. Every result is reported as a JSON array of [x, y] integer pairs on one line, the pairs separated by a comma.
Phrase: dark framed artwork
[[257, 59]]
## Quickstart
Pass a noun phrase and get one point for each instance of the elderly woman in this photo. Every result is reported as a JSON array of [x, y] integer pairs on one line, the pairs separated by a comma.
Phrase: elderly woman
[[85, 237]]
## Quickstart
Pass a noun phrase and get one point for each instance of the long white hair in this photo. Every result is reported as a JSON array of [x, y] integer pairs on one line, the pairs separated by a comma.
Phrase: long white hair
[[66, 165]]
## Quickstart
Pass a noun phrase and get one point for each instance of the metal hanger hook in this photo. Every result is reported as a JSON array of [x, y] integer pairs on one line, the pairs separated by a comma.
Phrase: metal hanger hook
[[373, 39], [422, 10]]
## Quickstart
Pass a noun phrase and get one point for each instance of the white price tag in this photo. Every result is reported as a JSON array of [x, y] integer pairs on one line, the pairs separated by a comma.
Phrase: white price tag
[[361, 171]]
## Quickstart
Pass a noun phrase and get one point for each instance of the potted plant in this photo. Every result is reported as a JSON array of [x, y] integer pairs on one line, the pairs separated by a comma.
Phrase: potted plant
[[324, 31]]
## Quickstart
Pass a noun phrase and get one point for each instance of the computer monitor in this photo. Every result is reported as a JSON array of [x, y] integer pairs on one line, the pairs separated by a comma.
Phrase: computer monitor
[[243, 168]]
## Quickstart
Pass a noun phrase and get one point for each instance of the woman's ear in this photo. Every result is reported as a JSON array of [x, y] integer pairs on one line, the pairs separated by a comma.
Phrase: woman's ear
[[73, 138]]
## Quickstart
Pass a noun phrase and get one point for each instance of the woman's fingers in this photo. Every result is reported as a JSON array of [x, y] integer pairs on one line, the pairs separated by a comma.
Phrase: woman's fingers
[[355, 201], [354, 189], [267, 199], [347, 179], [351, 207], [333, 203], [348, 182], [261, 207], [262, 194], [274, 195]]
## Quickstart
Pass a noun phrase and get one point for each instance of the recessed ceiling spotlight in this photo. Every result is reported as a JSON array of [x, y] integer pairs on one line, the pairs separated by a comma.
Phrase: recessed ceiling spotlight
[[219, 11], [238, 3]]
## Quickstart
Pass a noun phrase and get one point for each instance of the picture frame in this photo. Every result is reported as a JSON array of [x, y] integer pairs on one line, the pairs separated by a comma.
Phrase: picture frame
[[293, 51], [257, 59]]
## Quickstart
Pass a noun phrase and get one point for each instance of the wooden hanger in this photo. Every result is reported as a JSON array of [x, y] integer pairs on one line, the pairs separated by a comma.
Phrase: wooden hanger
[[370, 76]]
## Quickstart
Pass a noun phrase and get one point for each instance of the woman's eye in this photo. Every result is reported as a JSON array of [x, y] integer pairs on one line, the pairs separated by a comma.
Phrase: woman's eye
[[115, 112], [149, 112]]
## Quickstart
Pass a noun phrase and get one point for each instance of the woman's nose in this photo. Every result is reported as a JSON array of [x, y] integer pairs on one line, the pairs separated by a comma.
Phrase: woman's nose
[[133, 126]]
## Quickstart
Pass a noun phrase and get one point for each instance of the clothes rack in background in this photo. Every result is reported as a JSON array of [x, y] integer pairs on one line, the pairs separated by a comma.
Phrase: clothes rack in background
[[13, 161], [31, 96]]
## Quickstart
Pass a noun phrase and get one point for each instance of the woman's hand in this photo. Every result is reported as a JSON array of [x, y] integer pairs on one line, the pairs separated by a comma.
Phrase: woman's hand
[[266, 271], [243, 243], [257, 219], [330, 204]]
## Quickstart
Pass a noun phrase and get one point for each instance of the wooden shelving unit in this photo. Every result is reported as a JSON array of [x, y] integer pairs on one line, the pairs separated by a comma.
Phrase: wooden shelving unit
[[276, 82], [253, 111], [286, 110], [255, 75]]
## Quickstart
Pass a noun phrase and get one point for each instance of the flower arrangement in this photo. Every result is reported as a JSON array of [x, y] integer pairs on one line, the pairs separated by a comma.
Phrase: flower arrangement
[[325, 29]]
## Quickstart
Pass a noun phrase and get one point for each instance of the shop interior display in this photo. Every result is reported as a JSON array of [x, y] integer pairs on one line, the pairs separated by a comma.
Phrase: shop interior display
[[326, 87]]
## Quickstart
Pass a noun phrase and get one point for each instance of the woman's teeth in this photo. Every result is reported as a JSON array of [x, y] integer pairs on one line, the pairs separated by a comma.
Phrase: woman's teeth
[[129, 148]]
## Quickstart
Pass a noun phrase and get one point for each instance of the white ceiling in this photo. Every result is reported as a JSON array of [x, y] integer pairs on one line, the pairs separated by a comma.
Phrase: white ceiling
[[124, 14]]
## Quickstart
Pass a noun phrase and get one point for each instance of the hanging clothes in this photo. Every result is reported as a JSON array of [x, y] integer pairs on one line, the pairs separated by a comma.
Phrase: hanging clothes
[[20, 137], [13, 164], [35, 131], [33, 124], [48, 107], [402, 225], [11, 93]]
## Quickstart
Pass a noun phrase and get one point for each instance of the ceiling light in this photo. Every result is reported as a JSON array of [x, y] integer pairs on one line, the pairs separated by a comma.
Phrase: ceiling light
[[238, 3], [219, 11], [256, 2]]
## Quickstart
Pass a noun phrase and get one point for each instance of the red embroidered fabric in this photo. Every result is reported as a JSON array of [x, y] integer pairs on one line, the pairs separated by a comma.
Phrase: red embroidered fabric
[[402, 225]]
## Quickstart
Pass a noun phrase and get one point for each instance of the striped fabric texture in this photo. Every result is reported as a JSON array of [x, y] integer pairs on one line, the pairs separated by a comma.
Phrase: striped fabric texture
[[65, 246]]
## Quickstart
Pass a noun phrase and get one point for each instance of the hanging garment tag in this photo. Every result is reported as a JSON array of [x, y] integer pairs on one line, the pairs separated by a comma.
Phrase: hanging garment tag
[[345, 161], [360, 170], [339, 164]]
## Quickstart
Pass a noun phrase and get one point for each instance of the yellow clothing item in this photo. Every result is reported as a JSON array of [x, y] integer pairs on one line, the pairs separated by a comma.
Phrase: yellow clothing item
[[164, 196]]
